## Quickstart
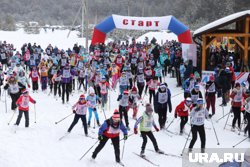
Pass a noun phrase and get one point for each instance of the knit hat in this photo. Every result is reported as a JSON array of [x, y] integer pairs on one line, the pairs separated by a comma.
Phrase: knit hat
[[134, 89], [125, 92], [116, 115], [82, 96], [24, 91], [200, 101], [149, 108], [237, 84], [163, 85], [211, 78]]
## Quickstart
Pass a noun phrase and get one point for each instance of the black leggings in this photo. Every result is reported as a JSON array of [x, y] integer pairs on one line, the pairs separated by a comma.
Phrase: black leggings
[[151, 137], [14, 98], [162, 113], [84, 122], [151, 94], [65, 89], [140, 88], [237, 116], [123, 112], [116, 144], [184, 120], [201, 130], [248, 124], [26, 115]]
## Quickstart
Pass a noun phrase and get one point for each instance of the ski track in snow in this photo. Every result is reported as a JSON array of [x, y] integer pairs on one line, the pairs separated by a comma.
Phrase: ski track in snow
[[38, 145]]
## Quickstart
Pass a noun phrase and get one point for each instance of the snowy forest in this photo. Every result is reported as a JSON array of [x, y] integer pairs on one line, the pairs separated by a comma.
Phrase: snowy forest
[[62, 12]]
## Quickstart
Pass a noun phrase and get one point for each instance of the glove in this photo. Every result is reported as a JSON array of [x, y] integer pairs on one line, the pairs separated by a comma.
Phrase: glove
[[94, 109], [28, 85], [135, 131], [175, 115], [125, 137], [74, 111], [157, 129], [100, 138]]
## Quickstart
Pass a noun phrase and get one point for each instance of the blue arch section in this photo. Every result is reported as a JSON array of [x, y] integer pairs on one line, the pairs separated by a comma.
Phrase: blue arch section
[[176, 26], [106, 25]]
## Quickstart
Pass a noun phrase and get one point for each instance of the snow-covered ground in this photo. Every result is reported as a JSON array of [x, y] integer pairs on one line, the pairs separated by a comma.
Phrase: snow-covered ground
[[39, 145]]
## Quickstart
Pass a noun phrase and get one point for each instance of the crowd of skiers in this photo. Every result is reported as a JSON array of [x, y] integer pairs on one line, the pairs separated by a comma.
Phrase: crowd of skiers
[[137, 69]]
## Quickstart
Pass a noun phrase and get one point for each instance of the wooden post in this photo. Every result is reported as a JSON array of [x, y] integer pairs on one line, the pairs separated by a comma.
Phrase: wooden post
[[246, 42], [204, 56]]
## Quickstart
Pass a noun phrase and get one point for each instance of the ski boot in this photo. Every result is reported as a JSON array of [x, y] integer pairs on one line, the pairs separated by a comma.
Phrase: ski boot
[[142, 154]]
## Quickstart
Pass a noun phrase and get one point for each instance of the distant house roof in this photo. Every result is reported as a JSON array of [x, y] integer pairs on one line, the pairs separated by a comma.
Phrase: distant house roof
[[220, 22]]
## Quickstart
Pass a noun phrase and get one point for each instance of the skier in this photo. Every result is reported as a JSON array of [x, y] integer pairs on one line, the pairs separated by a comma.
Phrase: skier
[[210, 94], [152, 86], [134, 97], [123, 106], [104, 86], [80, 110], [14, 89], [123, 82], [23, 107], [66, 79], [110, 129], [236, 103], [247, 114], [161, 101], [198, 116], [195, 94], [183, 110], [34, 75], [146, 122], [92, 99]]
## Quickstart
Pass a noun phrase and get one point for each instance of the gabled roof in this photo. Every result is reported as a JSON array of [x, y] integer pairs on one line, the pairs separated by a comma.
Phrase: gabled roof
[[220, 22]]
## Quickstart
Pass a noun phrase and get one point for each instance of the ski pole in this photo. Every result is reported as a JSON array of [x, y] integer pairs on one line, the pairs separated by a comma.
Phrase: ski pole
[[240, 142], [186, 141], [5, 102], [218, 143], [35, 112], [123, 148], [223, 110], [222, 117], [169, 124], [88, 150], [104, 114], [11, 117], [63, 118], [227, 120]]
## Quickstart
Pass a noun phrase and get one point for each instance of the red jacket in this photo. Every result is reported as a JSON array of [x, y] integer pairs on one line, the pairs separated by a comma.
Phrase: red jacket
[[23, 102], [182, 109], [34, 75]]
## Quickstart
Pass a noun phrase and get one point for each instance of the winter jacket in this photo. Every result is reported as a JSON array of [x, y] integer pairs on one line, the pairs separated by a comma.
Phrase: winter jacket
[[236, 97], [146, 123], [162, 100], [23, 102], [182, 109], [108, 130]]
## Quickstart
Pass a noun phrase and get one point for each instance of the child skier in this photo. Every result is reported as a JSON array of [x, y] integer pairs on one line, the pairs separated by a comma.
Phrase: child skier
[[104, 86], [146, 122], [134, 97], [123, 105], [183, 110], [80, 109], [92, 99], [34, 75], [23, 107], [110, 129]]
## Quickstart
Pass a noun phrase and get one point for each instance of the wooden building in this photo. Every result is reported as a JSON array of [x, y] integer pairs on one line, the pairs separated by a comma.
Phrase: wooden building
[[235, 26]]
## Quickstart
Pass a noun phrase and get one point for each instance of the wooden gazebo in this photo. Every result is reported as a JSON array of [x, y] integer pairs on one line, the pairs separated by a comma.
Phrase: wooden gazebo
[[235, 26]]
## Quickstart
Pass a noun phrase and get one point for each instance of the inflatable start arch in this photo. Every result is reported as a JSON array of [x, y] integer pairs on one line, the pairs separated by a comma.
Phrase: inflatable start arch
[[141, 23]]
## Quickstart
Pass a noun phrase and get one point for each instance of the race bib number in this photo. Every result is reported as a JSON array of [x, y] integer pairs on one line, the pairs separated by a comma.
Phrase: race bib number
[[119, 60], [34, 74], [3, 56], [25, 102], [66, 73]]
